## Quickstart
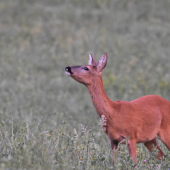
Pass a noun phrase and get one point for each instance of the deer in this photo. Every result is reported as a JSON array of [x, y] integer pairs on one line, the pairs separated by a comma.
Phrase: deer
[[140, 121]]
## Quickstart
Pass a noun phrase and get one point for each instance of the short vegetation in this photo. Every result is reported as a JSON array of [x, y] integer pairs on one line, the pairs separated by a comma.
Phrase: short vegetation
[[47, 120]]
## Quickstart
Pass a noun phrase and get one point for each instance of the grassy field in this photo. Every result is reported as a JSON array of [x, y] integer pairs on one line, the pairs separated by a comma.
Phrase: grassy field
[[47, 120]]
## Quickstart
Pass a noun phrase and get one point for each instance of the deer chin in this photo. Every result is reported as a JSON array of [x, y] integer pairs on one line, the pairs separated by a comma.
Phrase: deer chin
[[68, 73]]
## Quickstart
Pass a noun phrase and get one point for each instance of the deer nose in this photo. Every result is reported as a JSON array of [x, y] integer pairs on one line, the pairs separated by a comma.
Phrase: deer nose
[[68, 69]]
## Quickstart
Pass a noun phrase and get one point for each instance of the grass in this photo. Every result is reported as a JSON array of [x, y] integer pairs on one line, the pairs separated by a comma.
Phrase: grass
[[38, 39], [26, 148]]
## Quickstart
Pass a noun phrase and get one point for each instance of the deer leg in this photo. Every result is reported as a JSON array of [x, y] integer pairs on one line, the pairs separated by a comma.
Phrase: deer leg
[[165, 137], [131, 144], [114, 147], [151, 144]]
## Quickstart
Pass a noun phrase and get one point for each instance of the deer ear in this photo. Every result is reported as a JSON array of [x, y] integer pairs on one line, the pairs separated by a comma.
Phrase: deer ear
[[102, 63], [92, 61]]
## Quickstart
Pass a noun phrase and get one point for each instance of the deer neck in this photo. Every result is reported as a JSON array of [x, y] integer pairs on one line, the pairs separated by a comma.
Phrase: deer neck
[[100, 100]]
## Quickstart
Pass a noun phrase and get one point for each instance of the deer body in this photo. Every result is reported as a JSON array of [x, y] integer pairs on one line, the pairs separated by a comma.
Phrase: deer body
[[141, 120]]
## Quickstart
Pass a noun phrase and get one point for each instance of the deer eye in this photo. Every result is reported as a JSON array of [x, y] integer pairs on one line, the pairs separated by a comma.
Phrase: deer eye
[[85, 68]]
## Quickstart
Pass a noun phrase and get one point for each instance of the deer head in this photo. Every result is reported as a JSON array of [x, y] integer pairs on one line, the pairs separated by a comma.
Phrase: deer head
[[87, 74]]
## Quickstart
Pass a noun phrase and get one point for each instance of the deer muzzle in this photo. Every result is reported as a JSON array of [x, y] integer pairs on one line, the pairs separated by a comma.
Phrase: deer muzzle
[[68, 70]]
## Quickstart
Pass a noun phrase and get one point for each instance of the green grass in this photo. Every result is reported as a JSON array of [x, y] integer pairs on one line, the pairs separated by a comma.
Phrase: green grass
[[25, 148], [38, 39]]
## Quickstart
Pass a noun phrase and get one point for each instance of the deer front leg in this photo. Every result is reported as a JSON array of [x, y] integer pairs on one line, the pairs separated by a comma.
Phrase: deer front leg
[[131, 144], [114, 147]]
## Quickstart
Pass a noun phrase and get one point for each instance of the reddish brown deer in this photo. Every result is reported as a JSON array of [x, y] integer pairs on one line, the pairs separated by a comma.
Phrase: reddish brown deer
[[141, 120]]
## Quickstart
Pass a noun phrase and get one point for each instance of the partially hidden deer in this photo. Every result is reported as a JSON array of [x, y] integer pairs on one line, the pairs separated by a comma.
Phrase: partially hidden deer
[[140, 120]]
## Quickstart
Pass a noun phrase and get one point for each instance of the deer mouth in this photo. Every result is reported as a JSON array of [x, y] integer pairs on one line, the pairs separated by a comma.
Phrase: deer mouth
[[68, 71]]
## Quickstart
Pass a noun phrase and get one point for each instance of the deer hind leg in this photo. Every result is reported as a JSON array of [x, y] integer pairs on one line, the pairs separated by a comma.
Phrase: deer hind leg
[[151, 144], [131, 144], [165, 137]]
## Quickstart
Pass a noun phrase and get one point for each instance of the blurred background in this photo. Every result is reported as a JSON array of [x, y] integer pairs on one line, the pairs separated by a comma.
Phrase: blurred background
[[39, 38]]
